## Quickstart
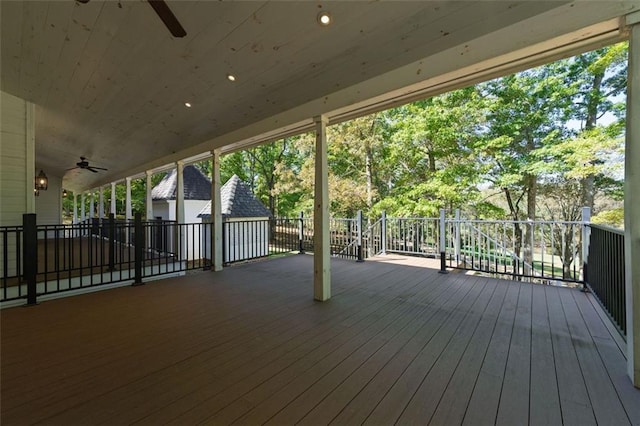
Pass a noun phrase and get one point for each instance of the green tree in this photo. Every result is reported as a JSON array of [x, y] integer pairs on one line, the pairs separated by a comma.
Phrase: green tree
[[527, 111], [431, 155]]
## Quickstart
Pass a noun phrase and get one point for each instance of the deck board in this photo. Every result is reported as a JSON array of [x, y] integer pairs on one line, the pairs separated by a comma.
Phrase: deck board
[[397, 342], [396, 399], [601, 391], [514, 398], [483, 405], [452, 406], [544, 402], [574, 400]]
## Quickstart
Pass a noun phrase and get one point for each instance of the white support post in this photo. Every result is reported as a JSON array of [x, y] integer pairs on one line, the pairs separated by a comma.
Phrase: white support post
[[632, 204], [180, 192], [101, 203], [383, 231], [92, 204], [586, 234], [180, 218], [75, 208], [301, 233], [148, 204], [456, 243], [216, 213], [322, 254], [443, 241], [149, 200], [82, 203], [112, 207], [359, 223], [128, 213]]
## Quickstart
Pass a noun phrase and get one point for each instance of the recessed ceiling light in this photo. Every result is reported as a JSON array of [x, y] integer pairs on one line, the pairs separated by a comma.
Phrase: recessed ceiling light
[[324, 18], [187, 104], [231, 77]]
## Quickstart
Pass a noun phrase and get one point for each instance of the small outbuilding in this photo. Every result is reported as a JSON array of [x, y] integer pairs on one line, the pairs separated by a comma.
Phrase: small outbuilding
[[245, 226], [197, 193]]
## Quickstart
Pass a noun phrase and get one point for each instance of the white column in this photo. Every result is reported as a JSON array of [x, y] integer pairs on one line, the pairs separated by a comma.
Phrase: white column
[[112, 207], [75, 208], [92, 204], [82, 203], [101, 203], [179, 192], [149, 199], [128, 213], [216, 213], [321, 252], [632, 204]]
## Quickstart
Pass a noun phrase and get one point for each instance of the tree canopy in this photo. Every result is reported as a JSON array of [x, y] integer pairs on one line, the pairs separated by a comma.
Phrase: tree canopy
[[540, 143]]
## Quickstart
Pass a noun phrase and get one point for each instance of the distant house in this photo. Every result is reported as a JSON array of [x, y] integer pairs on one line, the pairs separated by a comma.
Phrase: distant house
[[245, 222], [197, 193]]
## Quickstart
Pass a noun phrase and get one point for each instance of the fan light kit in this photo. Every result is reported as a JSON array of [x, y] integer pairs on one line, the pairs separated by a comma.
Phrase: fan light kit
[[84, 164], [231, 77], [187, 104]]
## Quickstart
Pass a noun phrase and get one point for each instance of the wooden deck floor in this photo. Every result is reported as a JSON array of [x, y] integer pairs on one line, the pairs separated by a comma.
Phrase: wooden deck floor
[[248, 345]]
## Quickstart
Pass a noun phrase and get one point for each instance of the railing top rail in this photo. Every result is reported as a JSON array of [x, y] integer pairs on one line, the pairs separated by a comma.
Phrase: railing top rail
[[10, 228], [606, 228], [412, 218], [521, 222]]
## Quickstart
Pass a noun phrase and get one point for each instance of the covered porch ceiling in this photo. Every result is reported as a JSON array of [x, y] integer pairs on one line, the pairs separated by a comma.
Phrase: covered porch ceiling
[[110, 82]]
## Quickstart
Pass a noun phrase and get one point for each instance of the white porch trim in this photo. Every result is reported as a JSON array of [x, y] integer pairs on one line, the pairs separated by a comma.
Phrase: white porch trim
[[321, 242], [101, 201], [632, 203], [128, 213], [216, 213], [149, 199], [113, 199]]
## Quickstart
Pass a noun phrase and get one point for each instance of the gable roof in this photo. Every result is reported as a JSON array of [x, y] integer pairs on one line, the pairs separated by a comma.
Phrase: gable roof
[[196, 185], [237, 201]]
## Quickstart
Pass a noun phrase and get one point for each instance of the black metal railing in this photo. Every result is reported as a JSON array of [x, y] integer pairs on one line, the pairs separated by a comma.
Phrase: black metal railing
[[605, 274], [48, 259]]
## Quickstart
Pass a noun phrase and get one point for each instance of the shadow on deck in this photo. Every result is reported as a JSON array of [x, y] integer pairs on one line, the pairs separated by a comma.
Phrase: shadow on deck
[[397, 342]]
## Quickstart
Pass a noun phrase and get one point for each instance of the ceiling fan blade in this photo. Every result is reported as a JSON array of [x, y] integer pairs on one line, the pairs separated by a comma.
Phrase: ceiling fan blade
[[92, 169], [73, 168], [168, 17]]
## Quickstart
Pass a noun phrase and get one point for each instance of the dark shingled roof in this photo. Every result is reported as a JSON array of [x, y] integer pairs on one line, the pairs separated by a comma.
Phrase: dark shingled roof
[[196, 185], [237, 201]]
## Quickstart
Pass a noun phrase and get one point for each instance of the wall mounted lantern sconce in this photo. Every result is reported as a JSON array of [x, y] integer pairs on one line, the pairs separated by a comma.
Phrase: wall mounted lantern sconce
[[64, 193], [42, 182]]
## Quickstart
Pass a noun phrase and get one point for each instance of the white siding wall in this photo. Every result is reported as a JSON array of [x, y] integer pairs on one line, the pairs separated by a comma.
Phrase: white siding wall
[[49, 202], [162, 209], [17, 159], [17, 171], [193, 242]]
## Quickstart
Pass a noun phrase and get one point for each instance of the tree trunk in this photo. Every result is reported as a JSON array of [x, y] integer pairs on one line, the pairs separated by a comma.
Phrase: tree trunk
[[594, 98]]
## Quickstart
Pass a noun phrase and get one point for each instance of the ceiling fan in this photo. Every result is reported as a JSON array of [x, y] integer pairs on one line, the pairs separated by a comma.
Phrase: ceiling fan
[[165, 14], [84, 164]]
